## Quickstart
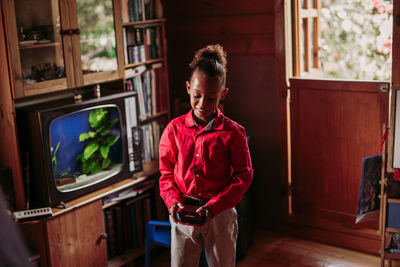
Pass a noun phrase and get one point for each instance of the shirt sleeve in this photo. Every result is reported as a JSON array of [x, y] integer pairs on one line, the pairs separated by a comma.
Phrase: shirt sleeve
[[168, 151], [242, 175]]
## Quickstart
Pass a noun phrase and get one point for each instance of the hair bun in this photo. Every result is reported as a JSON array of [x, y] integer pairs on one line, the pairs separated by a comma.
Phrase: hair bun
[[210, 54], [215, 52]]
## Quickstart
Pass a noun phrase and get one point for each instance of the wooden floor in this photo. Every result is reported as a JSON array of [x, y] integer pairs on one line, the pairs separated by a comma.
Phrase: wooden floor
[[273, 249]]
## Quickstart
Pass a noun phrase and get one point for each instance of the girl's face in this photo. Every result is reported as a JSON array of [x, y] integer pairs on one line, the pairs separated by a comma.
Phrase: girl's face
[[205, 94]]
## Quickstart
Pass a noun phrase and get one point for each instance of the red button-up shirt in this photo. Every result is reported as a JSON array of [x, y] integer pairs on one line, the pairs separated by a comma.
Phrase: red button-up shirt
[[204, 162]]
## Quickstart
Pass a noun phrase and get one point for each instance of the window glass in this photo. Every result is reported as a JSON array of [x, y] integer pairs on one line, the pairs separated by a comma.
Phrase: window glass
[[356, 39], [303, 45], [97, 36], [311, 53]]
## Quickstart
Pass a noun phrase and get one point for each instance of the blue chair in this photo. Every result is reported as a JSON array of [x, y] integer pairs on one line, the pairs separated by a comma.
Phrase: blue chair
[[159, 233]]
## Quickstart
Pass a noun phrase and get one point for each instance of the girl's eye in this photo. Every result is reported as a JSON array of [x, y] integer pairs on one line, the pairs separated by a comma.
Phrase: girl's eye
[[197, 96]]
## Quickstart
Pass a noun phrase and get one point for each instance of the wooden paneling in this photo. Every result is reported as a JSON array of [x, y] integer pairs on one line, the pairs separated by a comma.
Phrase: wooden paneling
[[246, 30], [334, 125], [9, 156], [247, 25], [185, 9]]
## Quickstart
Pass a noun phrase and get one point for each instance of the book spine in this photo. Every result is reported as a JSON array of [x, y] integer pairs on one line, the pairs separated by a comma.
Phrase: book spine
[[125, 11]]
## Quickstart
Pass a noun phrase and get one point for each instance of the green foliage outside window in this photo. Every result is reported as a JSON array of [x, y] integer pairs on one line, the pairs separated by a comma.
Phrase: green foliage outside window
[[356, 39], [97, 35]]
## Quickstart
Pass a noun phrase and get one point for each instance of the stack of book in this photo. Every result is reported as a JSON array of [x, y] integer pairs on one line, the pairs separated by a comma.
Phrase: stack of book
[[151, 137], [149, 83], [142, 44], [125, 224], [137, 10]]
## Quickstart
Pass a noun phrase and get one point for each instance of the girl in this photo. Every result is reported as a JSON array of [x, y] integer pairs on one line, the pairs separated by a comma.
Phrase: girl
[[205, 163]]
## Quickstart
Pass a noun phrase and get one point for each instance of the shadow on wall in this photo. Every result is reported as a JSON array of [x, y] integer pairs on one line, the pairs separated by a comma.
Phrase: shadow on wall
[[253, 103]]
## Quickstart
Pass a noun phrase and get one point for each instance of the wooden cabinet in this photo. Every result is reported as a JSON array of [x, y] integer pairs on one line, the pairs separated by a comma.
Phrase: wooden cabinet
[[77, 235], [55, 45], [74, 238], [77, 238]]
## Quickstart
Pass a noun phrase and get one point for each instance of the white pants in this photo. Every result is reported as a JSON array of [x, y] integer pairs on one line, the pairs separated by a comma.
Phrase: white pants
[[219, 235]]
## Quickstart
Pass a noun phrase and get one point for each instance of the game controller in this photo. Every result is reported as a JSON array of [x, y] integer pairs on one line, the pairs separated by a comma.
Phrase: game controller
[[189, 217]]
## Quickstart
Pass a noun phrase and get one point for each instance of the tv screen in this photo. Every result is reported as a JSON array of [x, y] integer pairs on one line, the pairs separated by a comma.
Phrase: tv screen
[[86, 147], [72, 149]]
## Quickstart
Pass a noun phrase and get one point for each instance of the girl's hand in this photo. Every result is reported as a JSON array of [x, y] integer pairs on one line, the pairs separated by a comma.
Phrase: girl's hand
[[207, 211], [173, 208]]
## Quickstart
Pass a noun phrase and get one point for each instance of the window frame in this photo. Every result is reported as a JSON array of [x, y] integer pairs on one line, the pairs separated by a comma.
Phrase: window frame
[[306, 62]]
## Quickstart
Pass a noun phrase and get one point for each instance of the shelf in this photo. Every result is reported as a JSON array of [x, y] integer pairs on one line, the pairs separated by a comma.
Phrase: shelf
[[152, 117], [393, 230], [392, 255], [151, 61], [144, 22], [38, 45], [137, 197], [99, 194], [393, 200]]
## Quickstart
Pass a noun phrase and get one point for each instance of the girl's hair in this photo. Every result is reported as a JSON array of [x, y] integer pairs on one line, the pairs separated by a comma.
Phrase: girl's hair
[[210, 60]]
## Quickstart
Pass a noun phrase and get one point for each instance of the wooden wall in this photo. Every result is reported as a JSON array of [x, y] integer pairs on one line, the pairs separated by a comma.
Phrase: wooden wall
[[9, 155], [246, 30]]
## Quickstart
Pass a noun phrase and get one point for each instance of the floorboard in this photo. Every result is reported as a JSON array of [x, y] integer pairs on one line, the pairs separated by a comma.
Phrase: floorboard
[[277, 249]]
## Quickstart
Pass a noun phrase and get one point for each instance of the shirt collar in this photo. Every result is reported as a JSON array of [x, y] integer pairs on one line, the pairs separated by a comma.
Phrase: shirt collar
[[217, 123]]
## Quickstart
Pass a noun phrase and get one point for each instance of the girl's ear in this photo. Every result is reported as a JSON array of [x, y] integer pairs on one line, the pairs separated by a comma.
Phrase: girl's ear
[[188, 87], [224, 93]]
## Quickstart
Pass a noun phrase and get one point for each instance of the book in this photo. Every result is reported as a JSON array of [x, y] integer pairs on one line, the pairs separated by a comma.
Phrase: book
[[139, 222], [132, 218], [126, 54], [110, 230], [146, 210], [148, 9], [153, 93], [128, 238], [125, 11], [119, 230]]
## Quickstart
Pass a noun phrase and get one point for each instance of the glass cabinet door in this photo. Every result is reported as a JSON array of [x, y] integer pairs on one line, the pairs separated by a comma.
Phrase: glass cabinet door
[[97, 40], [38, 58]]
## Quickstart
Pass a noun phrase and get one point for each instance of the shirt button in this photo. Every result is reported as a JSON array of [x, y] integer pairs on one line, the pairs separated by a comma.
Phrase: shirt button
[[197, 175], [197, 155], [200, 194]]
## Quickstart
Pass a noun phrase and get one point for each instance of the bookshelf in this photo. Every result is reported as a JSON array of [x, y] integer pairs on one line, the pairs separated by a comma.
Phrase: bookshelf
[[389, 221], [146, 72]]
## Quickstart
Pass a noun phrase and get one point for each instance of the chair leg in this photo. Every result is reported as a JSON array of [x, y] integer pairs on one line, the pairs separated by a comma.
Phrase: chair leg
[[203, 254], [147, 255]]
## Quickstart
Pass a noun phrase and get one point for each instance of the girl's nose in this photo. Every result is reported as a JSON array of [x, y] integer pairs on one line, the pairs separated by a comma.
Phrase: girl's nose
[[201, 103]]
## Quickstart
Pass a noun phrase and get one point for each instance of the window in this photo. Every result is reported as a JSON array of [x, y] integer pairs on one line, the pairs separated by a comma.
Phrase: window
[[306, 31], [342, 39]]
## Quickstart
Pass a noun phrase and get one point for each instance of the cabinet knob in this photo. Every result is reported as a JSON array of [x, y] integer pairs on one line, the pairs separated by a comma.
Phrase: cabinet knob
[[103, 236]]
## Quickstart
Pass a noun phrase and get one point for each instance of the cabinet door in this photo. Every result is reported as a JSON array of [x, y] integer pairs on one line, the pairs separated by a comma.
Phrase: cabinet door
[[75, 238], [96, 57], [37, 49]]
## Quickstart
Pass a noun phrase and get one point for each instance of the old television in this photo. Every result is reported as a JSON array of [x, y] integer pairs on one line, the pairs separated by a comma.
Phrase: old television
[[70, 149]]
